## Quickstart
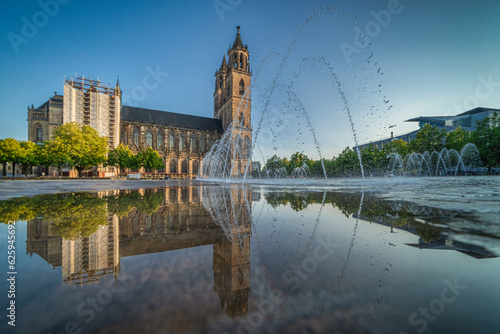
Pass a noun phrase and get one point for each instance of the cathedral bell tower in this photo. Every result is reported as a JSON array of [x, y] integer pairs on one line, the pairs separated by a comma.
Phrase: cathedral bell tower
[[232, 99], [232, 86]]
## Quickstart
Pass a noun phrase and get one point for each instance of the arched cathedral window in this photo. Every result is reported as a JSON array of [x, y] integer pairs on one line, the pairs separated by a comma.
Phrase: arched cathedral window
[[171, 141], [39, 133], [135, 137], [159, 140], [202, 144], [123, 136], [242, 87], [149, 138], [193, 142], [182, 141], [241, 119]]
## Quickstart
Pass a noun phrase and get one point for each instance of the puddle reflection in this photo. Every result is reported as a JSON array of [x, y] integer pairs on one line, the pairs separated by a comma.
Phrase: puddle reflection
[[259, 240]]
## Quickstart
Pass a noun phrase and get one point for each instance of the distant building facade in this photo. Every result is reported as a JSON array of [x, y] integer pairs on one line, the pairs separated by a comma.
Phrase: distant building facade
[[466, 120], [182, 140], [379, 144]]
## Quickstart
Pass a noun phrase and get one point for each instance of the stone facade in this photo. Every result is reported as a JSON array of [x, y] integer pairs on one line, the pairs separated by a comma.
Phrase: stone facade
[[232, 100], [182, 149], [43, 120]]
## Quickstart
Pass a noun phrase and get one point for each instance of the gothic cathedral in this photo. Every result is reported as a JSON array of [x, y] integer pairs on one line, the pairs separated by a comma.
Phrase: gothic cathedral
[[181, 140]]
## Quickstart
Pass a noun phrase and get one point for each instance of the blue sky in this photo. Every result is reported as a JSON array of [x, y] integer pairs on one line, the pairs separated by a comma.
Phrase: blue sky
[[430, 57]]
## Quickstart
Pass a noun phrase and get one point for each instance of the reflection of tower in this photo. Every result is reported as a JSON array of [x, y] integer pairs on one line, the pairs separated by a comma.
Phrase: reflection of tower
[[232, 101], [231, 256], [87, 259], [83, 260], [231, 274]]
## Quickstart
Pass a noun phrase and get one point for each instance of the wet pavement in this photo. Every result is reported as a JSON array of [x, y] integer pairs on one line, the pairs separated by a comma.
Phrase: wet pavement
[[203, 257]]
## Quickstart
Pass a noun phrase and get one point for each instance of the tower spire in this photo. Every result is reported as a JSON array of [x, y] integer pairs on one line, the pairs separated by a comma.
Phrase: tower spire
[[237, 41], [117, 86], [224, 63]]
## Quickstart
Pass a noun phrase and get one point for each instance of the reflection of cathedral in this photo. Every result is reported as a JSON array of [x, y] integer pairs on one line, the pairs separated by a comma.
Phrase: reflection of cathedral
[[88, 258], [83, 260], [184, 222], [181, 221]]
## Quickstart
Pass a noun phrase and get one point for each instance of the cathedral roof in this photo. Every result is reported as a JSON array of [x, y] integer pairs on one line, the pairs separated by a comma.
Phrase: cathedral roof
[[56, 99], [151, 116]]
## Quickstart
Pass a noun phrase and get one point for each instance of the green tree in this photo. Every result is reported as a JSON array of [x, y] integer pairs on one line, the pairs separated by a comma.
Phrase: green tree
[[328, 166], [120, 157], [30, 156], [76, 146], [43, 156], [316, 167], [274, 163], [151, 160], [347, 163], [10, 152], [457, 139], [429, 138], [369, 157], [57, 154], [398, 146], [297, 160], [487, 139], [135, 161]]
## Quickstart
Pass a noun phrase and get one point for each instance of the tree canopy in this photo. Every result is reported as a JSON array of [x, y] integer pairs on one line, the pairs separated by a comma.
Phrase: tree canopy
[[376, 161], [76, 146], [120, 157], [151, 160], [429, 138], [487, 139]]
